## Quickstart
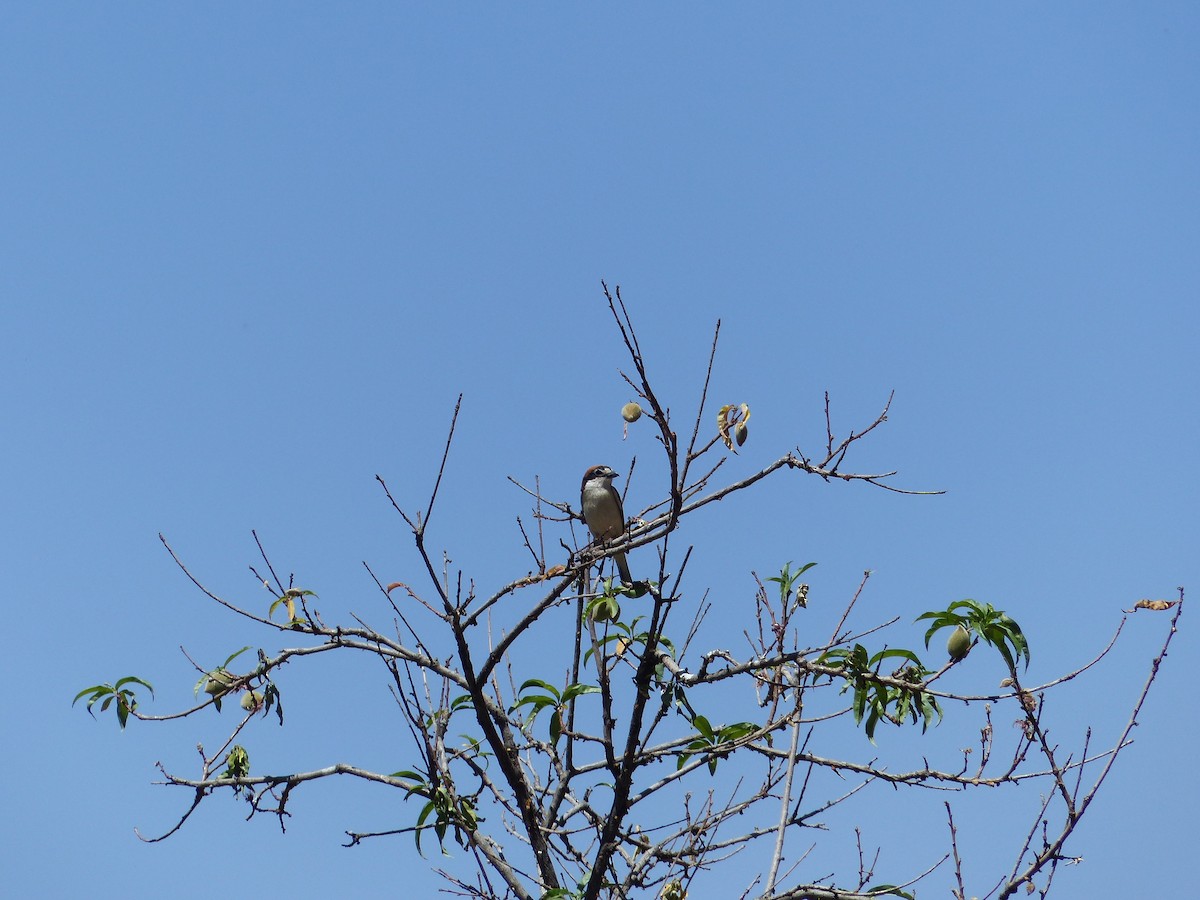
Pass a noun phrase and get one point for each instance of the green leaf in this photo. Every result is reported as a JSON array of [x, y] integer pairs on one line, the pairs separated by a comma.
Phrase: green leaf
[[233, 656], [860, 701], [132, 679], [872, 721], [882, 890], [897, 653], [408, 773], [537, 682], [537, 701], [737, 731], [1016, 636], [97, 689], [466, 811], [424, 814], [578, 690]]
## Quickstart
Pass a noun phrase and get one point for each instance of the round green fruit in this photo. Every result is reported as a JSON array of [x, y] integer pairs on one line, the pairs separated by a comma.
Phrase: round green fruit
[[605, 610], [218, 682], [959, 644]]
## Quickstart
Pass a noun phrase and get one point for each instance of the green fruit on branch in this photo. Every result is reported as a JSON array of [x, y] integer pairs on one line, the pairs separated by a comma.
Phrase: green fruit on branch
[[219, 682], [605, 609], [959, 644]]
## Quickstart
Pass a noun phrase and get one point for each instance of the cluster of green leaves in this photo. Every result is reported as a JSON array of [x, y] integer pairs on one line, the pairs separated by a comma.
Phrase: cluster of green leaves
[[789, 582], [288, 602], [624, 635], [993, 626], [901, 695], [876, 700], [716, 743], [552, 699], [120, 693], [448, 811], [237, 763]]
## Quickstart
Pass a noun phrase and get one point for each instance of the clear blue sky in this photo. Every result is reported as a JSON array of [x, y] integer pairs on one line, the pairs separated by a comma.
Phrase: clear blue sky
[[249, 255]]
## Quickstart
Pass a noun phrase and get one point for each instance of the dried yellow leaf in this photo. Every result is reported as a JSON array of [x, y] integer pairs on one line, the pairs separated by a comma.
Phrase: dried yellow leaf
[[1156, 605], [723, 425]]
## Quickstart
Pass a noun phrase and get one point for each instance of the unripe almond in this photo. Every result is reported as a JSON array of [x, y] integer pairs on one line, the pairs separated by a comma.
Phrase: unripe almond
[[631, 412], [605, 610], [218, 682], [959, 644]]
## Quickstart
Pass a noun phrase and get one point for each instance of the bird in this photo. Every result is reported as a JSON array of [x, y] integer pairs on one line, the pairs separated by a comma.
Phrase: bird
[[603, 512]]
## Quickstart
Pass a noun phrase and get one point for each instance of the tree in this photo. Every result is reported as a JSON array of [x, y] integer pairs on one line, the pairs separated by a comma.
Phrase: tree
[[605, 772]]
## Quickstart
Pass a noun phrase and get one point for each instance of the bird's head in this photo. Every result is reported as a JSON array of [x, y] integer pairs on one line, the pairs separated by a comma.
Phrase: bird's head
[[600, 473]]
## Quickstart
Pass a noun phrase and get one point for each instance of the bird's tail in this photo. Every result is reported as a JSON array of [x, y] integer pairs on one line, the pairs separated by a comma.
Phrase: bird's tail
[[623, 568]]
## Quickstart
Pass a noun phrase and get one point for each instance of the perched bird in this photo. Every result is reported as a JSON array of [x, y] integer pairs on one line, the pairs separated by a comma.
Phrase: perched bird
[[603, 512]]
